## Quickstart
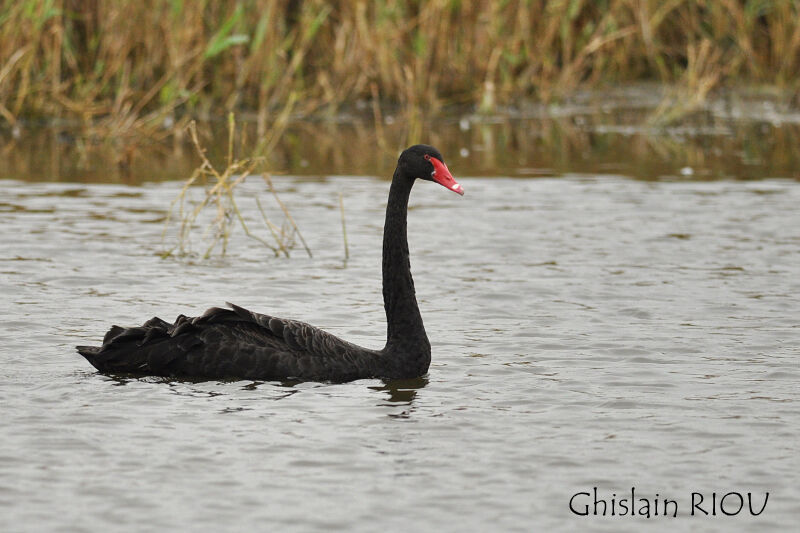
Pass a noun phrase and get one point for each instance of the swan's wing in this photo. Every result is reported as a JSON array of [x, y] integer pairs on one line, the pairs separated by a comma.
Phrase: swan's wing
[[299, 337], [231, 343]]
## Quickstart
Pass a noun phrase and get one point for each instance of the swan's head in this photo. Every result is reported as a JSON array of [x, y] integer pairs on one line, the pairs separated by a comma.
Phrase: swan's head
[[425, 162]]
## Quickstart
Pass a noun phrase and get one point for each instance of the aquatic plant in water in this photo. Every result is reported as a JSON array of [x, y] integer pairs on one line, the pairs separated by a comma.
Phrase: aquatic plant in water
[[219, 197]]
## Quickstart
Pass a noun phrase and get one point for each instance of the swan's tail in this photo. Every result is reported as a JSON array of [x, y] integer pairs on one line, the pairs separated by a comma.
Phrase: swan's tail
[[90, 353]]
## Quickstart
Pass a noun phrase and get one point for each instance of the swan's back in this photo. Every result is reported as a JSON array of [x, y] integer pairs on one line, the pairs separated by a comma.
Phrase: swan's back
[[232, 343]]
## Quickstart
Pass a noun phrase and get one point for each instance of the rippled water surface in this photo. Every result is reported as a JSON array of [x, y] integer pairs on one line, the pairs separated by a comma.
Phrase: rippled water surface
[[587, 331]]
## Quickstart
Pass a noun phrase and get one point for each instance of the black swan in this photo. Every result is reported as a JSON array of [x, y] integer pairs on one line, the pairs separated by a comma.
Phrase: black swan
[[237, 343]]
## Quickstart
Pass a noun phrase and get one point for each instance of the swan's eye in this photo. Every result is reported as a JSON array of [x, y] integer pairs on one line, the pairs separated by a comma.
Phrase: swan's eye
[[427, 157]]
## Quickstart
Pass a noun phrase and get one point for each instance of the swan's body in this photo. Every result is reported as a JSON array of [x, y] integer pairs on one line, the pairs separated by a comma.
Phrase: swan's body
[[237, 343]]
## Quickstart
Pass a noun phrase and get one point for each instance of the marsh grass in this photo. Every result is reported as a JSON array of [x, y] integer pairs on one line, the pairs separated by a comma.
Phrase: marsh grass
[[144, 69], [217, 211]]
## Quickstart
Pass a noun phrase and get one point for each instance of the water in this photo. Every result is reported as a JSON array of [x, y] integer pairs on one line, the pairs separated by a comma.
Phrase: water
[[738, 135], [588, 331]]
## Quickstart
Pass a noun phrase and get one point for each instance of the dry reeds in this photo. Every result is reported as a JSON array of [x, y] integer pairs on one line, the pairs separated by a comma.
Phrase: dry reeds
[[147, 67], [219, 187]]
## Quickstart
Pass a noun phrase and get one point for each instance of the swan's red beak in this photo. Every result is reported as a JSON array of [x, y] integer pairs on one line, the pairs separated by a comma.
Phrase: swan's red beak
[[443, 177]]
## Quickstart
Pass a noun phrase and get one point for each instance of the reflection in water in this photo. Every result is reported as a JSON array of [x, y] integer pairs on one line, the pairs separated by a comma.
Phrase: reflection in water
[[184, 388], [120, 380], [607, 133], [402, 390]]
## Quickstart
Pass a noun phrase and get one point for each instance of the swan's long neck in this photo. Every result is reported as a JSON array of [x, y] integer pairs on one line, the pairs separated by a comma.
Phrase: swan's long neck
[[406, 333]]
